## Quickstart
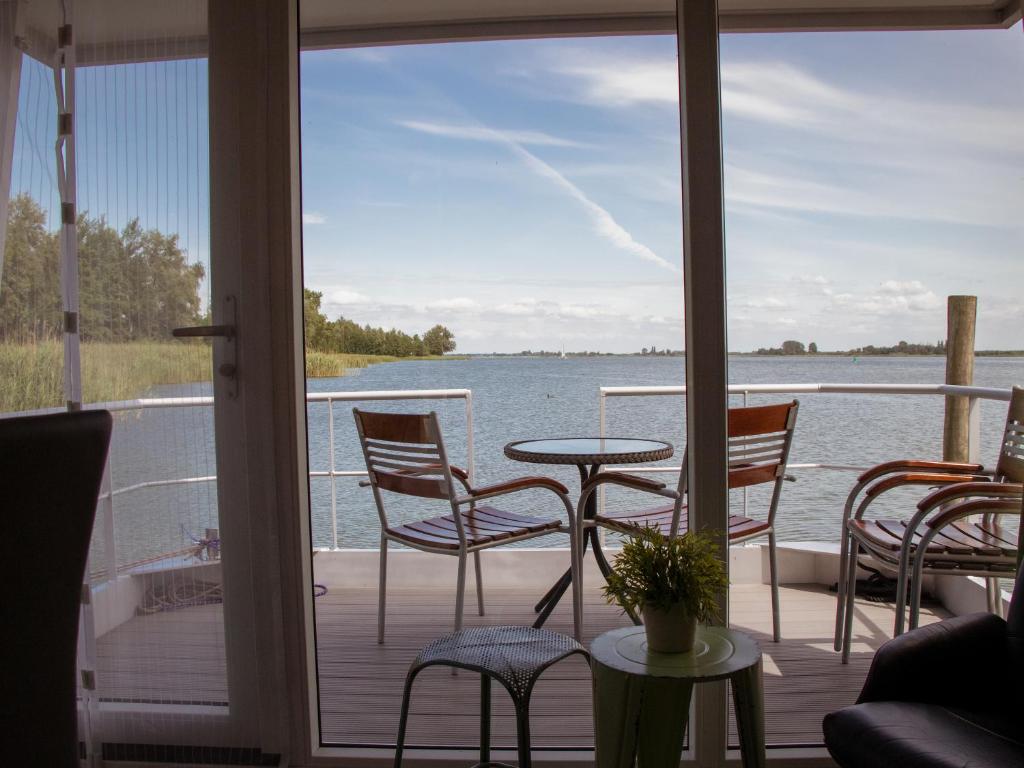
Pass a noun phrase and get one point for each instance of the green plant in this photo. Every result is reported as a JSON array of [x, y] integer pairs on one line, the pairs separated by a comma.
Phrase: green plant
[[657, 571]]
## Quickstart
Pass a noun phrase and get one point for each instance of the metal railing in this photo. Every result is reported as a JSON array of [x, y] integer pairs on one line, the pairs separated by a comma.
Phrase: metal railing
[[974, 394], [105, 511], [386, 394]]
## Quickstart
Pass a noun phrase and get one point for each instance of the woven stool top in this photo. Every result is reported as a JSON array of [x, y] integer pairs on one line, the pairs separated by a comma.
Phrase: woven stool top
[[513, 655]]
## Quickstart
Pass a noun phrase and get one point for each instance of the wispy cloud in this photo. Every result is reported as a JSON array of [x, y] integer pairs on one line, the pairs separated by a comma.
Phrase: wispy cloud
[[483, 133], [624, 82], [604, 223], [313, 217]]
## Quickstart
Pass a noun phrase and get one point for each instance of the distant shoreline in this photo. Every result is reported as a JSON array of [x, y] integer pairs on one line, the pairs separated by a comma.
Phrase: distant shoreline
[[979, 353]]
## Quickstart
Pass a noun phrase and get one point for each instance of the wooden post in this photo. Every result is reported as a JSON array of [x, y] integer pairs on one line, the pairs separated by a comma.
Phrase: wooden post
[[960, 321]]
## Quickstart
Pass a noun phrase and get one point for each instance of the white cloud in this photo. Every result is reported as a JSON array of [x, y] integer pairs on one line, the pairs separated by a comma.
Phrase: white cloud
[[494, 135], [625, 82], [313, 217], [604, 223], [343, 296], [458, 303]]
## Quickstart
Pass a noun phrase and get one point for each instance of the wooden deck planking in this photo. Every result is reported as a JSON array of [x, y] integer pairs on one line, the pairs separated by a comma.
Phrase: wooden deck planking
[[179, 656]]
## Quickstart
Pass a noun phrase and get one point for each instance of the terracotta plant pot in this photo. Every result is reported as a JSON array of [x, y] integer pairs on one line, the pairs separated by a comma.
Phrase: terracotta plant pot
[[670, 631]]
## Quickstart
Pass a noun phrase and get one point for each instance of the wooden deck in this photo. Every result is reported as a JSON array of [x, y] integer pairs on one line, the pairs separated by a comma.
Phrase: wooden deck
[[179, 657]]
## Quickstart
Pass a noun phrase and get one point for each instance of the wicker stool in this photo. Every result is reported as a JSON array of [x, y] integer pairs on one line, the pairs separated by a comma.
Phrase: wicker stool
[[514, 656]]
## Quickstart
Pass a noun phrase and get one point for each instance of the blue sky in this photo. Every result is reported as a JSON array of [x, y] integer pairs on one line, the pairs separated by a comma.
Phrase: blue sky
[[526, 193]]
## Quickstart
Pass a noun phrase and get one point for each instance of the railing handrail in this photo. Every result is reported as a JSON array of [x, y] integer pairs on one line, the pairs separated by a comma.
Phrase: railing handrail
[[974, 393], [144, 403], [982, 393]]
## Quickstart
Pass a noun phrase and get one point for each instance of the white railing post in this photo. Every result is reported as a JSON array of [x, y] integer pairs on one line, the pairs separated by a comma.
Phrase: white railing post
[[470, 449], [746, 489], [601, 416], [106, 509], [334, 477], [974, 430]]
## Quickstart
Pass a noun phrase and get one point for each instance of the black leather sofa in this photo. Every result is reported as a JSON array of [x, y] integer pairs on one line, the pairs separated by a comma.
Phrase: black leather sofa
[[946, 695]]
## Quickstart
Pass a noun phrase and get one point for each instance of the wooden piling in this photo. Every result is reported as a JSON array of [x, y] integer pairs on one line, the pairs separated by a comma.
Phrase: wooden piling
[[961, 315]]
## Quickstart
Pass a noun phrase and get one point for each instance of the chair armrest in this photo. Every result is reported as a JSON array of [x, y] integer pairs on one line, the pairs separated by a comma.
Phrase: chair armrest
[[917, 478], [903, 465], [977, 507], [457, 472], [519, 484], [965, 490], [623, 479], [952, 662]]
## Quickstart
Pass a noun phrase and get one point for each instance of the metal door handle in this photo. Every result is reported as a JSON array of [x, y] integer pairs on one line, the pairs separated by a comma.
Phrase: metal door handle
[[193, 331], [227, 331]]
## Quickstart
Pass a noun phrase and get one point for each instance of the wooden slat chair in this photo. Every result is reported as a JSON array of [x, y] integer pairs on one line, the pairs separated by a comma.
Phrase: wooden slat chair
[[759, 441], [954, 531], [405, 454]]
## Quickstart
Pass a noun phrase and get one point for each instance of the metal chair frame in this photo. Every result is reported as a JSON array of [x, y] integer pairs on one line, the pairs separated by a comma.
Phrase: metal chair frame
[[965, 490], [754, 457], [419, 467]]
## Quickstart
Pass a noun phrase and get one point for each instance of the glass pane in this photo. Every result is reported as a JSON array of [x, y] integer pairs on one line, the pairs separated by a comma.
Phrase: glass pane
[[867, 179], [524, 196]]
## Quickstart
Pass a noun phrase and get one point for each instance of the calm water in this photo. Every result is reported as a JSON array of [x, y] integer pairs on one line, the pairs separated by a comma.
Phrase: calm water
[[521, 398]]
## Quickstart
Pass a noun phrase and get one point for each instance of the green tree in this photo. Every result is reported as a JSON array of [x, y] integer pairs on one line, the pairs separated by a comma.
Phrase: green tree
[[136, 284], [30, 299], [812, 348], [791, 347], [439, 340], [315, 322]]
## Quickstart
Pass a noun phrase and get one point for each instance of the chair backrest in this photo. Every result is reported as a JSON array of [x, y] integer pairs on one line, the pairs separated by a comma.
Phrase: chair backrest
[[52, 467], [1010, 466], [759, 441], [404, 454]]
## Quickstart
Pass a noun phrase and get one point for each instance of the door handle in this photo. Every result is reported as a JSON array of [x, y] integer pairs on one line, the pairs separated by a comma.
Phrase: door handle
[[205, 331], [227, 331]]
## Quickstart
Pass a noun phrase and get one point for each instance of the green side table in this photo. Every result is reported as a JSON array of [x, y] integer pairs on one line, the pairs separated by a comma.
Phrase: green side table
[[642, 698]]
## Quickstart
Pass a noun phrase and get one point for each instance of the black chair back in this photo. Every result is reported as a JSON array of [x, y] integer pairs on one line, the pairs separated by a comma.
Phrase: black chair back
[[51, 469]]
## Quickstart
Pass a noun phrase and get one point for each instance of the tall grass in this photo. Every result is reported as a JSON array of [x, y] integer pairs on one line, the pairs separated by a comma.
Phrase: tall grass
[[31, 374], [322, 365]]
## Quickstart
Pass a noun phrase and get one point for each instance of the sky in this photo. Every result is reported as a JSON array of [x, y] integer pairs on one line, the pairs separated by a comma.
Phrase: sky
[[526, 194]]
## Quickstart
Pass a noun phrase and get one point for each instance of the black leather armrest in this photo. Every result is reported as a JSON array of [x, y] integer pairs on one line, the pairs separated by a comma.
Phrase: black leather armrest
[[946, 663]]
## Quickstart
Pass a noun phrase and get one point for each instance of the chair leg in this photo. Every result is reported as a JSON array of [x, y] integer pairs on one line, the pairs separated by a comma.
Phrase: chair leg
[[841, 586], [460, 596], [773, 566], [479, 583], [851, 592], [485, 719], [404, 717], [382, 588], [902, 583], [523, 733]]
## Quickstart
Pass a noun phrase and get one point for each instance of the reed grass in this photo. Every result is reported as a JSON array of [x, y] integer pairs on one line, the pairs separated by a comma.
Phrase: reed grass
[[325, 365], [31, 374]]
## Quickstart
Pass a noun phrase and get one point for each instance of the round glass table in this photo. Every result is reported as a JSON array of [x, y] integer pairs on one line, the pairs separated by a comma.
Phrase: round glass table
[[588, 454]]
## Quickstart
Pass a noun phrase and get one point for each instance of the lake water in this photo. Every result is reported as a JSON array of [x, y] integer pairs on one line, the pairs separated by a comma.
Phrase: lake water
[[518, 398]]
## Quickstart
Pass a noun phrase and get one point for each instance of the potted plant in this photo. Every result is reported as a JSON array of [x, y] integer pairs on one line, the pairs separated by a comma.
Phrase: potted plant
[[672, 582]]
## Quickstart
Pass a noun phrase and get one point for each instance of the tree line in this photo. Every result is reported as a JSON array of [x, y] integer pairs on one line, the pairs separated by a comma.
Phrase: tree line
[[137, 284], [792, 347], [134, 284], [343, 335]]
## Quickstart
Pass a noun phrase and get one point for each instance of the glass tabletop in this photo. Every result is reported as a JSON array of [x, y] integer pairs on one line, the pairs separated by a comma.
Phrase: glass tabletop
[[575, 450]]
